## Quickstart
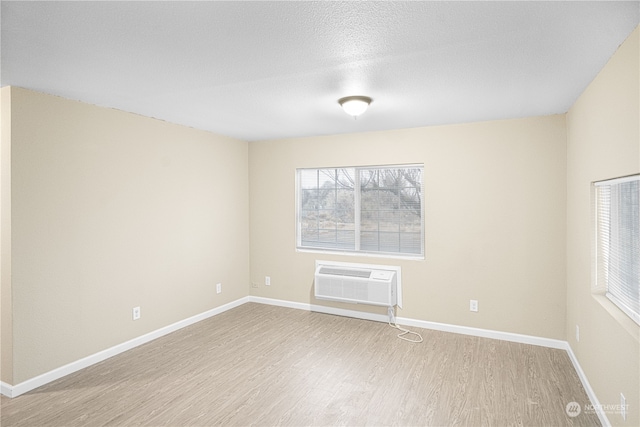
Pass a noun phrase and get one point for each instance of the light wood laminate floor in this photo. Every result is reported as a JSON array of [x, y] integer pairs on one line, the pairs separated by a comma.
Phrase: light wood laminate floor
[[264, 365]]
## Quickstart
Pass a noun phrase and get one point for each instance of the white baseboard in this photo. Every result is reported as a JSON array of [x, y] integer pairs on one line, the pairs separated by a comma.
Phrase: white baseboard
[[280, 303], [587, 388], [350, 313], [33, 383], [5, 389], [444, 327], [484, 333], [320, 309], [47, 377]]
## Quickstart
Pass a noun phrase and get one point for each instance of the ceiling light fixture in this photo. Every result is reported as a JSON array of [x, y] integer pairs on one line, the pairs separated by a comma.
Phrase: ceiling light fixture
[[354, 105]]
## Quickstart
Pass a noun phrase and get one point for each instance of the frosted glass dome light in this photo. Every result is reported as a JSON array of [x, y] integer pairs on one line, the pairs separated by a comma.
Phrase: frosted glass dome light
[[354, 105]]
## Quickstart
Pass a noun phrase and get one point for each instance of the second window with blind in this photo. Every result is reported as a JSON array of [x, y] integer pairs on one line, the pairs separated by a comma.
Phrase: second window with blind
[[372, 209], [617, 269]]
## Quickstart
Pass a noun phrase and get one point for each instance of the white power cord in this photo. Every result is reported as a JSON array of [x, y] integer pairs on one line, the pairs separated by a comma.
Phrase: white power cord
[[392, 318]]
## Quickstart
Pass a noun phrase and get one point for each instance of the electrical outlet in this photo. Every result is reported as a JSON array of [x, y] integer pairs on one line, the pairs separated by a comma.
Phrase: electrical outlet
[[473, 305], [136, 313], [219, 288], [623, 407], [267, 281], [577, 333]]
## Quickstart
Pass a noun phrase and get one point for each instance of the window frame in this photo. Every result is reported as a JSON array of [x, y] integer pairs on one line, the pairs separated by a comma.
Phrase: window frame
[[600, 265], [357, 251]]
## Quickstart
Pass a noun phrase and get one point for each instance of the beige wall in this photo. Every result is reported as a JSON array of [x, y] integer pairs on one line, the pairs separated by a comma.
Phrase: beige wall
[[112, 210], [6, 327], [494, 210], [603, 142]]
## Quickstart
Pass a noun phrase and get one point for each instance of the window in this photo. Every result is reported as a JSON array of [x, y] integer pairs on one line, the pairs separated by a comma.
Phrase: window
[[361, 209], [618, 242]]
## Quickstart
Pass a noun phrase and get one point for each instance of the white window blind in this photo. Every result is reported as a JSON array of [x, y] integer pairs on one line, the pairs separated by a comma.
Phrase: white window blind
[[361, 209], [618, 242]]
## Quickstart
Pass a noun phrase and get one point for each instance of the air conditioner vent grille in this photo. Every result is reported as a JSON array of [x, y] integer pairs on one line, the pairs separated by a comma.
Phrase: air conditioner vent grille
[[345, 272], [359, 284]]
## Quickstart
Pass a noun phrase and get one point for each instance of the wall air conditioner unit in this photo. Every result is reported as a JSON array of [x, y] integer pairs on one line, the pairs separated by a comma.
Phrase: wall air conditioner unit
[[356, 284]]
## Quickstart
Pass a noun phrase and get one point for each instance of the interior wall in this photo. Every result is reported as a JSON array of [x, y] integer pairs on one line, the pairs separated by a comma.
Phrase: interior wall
[[6, 327], [603, 142], [111, 210], [494, 215]]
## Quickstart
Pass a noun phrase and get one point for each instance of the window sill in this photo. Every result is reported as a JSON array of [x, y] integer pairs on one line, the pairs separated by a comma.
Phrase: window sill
[[361, 254], [623, 320]]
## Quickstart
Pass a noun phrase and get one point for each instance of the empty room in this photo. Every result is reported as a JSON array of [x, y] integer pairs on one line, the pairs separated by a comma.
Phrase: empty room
[[320, 213]]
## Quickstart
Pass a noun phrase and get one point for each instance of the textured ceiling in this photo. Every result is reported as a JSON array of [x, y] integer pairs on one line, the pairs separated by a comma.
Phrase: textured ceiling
[[265, 70]]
